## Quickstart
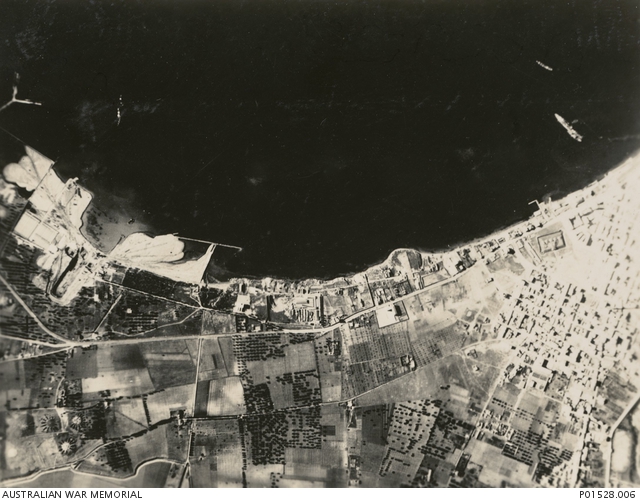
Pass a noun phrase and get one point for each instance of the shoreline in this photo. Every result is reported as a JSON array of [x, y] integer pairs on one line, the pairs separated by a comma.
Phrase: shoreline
[[141, 227], [545, 203]]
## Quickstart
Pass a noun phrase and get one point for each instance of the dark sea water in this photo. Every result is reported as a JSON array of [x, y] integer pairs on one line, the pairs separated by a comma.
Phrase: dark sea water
[[321, 135]]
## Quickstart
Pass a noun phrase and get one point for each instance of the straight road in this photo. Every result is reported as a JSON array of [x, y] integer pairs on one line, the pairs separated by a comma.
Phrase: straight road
[[609, 446]]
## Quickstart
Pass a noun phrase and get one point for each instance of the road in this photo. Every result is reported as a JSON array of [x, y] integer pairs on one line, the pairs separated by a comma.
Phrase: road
[[31, 313], [130, 341], [609, 446], [405, 297]]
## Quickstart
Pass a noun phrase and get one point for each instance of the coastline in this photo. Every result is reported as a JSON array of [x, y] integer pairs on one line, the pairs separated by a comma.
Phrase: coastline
[[116, 217]]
